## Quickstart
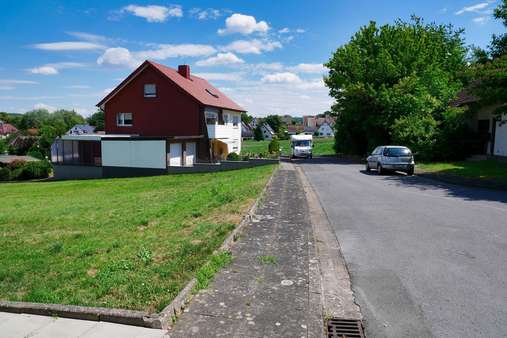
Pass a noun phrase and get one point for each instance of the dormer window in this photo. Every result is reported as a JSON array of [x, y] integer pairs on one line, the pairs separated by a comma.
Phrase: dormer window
[[150, 90]]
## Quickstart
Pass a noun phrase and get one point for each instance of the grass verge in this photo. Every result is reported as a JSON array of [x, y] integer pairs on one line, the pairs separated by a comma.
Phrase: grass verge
[[480, 170], [323, 146], [125, 243]]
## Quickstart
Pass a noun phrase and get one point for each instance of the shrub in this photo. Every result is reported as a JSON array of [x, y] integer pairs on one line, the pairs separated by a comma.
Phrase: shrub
[[246, 157], [16, 164], [36, 169], [274, 146], [233, 157], [21, 170], [5, 174], [35, 153]]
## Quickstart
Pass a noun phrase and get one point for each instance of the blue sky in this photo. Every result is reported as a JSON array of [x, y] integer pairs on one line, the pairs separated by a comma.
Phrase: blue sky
[[266, 55]]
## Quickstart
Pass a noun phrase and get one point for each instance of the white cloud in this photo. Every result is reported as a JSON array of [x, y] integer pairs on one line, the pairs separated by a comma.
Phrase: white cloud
[[168, 51], [44, 70], [205, 14], [220, 59], [7, 87], [44, 106], [87, 36], [284, 30], [118, 56], [300, 30], [254, 46], [284, 77], [474, 8], [15, 82], [220, 76], [480, 19], [53, 68], [243, 24], [78, 87], [154, 13], [315, 68], [68, 45]]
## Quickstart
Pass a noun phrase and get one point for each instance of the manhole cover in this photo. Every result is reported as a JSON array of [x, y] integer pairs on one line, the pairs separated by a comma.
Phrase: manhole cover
[[344, 328]]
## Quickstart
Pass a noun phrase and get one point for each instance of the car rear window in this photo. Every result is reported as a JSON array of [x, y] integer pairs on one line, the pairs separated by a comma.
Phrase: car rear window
[[397, 152]]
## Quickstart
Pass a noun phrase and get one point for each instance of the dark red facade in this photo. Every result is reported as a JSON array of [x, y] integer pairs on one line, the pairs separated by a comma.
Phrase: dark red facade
[[171, 113]]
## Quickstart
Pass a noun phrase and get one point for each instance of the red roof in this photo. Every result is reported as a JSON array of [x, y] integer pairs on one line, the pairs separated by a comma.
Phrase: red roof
[[7, 128], [196, 86]]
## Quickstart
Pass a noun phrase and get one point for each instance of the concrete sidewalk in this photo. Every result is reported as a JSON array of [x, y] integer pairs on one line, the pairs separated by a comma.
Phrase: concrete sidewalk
[[268, 290], [14, 325]]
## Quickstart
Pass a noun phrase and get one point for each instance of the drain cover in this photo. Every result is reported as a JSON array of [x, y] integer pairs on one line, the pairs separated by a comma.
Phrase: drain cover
[[344, 328]]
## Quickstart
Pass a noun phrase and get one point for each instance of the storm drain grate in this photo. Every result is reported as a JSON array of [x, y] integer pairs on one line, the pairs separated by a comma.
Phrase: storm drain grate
[[344, 328]]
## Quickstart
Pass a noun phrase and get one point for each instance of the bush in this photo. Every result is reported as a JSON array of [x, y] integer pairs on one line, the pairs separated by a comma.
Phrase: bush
[[274, 146], [233, 157], [16, 164], [21, 170], [5, 174], [35, 153], [36, 169]]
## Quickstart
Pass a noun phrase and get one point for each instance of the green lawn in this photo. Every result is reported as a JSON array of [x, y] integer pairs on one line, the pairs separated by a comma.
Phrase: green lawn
[[323, 146], [125, 243], [489, 169]]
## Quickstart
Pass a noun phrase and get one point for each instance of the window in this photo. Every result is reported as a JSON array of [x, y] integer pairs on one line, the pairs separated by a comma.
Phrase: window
[[124, 119], [235, 120], [211, 117], [226, 118], [150, 90]]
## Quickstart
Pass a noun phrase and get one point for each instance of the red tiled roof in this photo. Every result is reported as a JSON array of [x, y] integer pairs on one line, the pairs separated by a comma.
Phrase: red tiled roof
[[7, 128], [196, 86]]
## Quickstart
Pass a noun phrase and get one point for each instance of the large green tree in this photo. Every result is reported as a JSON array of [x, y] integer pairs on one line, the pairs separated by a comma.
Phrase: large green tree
[[393, 84], [488, 72], [97, 120]]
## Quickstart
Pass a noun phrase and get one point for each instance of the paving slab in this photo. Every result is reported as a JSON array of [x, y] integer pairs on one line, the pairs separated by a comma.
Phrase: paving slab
[[16, 325], [252, 298]]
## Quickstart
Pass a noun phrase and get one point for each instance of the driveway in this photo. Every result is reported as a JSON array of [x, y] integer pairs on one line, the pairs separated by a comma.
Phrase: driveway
[[426, 258]]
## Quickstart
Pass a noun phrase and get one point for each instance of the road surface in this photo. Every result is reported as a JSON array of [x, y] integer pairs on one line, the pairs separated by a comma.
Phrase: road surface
[[426, 258]]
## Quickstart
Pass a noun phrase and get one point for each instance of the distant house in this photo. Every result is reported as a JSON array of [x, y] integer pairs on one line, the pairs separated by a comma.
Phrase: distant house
[[310, 130], [294, 129], [491, 130], [156, 118], [309, 121], [6, 129], [247, 132], [267, 131], [325, 130], [80, 129]]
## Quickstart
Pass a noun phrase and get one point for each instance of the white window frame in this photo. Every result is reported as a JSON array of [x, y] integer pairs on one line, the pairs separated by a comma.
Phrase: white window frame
[[121, 118], [236, 120], [150, 93], [211, 115]]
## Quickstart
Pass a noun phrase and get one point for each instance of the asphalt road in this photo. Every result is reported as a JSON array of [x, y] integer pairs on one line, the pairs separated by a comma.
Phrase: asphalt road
[[426, 258]]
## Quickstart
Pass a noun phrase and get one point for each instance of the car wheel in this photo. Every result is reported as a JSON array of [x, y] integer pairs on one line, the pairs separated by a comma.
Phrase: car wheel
[[368, 167], [410, 172], [380, 170]]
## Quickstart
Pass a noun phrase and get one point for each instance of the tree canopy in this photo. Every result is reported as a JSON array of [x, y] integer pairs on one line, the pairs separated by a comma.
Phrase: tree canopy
[[393, 84]]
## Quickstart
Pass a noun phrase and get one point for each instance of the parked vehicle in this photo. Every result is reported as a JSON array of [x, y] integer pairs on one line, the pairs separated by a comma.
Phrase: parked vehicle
[[391, 158], [301, 146]]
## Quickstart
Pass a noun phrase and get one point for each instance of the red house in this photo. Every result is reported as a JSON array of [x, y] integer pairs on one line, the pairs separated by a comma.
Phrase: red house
[[155, 118]]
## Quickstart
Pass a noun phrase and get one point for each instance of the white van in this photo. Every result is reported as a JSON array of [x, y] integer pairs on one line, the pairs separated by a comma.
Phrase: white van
[[301, 146]]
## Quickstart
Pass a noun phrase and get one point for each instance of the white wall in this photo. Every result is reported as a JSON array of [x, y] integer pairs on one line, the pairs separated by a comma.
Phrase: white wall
[[135, 153], [227, 132], [501, 139]]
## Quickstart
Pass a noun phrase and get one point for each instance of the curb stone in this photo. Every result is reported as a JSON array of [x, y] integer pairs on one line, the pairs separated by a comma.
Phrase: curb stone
[[336, 293], [161, 320]]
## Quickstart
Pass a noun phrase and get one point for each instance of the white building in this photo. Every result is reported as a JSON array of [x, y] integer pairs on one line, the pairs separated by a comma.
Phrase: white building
[[325, 130], [267, 131]]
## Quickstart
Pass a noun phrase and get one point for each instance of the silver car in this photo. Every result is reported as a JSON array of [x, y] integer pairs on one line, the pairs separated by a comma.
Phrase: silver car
[[391, 158]]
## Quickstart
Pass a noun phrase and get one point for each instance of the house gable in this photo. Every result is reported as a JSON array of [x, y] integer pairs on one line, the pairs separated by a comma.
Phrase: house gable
[[173, 112]]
